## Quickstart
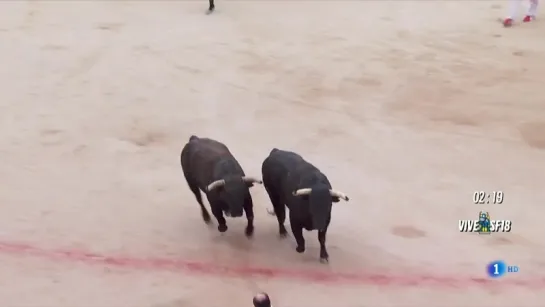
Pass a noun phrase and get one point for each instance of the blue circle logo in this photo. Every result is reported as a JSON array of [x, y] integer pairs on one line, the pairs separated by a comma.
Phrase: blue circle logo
[[496, 269]]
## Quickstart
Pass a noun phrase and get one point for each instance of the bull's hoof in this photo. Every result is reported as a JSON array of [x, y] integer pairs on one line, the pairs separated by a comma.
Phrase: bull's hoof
[[222, 228], [283, 232], [324, 257], [210, 10], [300, 249], [249, 232]]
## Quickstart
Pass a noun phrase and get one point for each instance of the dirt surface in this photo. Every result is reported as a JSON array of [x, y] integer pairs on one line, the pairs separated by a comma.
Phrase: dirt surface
[[408, 106]]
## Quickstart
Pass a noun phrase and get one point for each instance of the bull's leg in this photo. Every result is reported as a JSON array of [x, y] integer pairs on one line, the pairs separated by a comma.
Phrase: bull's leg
[[218, 213], [324, 256], [195, 189], [204, 212], [211, 6], [279, 211], [297, 231], [249, 210]]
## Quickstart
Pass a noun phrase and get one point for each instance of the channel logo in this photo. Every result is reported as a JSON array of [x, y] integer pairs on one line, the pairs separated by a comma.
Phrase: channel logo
[[499, 268]]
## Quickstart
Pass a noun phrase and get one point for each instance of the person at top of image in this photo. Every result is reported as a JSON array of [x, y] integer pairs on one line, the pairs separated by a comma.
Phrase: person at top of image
[[514, 7]]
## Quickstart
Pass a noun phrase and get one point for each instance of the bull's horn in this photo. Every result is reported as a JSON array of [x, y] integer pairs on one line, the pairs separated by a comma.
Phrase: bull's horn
[[338, 194], [215, 184], [302, 192], [251, 180]]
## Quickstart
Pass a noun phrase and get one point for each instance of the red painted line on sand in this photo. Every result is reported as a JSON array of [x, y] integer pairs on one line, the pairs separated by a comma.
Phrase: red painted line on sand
[[169, 264]]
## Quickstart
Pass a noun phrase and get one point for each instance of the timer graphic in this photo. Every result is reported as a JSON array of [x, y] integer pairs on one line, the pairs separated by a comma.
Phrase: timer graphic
[[482, 197]]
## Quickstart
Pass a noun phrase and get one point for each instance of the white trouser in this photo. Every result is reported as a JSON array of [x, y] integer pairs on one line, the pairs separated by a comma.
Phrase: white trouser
[[514, 7]]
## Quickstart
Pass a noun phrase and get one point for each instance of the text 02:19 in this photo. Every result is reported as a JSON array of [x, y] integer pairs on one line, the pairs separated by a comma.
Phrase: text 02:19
[[481, 197]]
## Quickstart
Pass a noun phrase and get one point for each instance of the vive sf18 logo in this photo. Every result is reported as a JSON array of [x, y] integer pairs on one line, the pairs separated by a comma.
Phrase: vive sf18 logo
[[484, 225]]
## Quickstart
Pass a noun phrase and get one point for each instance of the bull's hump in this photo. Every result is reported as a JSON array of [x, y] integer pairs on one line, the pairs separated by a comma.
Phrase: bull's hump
[[210, 145], [285, 155], [207, 150], [227, 166], [313, 177], [193, 138], [214, 143]]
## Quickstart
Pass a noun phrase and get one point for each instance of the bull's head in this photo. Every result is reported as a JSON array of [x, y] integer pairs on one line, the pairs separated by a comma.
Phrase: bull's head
[[321, 199], [233, 191]]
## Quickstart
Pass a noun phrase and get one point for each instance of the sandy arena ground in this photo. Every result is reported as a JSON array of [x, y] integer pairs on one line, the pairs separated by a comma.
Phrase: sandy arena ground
[[408, 106]]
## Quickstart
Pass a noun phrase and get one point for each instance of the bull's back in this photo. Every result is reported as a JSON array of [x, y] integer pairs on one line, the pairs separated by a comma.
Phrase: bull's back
[[277, 167], [279, 163], [200, 156], [302, 174]]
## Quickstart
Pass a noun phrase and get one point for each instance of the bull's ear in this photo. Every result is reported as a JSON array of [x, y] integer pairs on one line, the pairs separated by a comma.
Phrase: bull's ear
[[335, 199]]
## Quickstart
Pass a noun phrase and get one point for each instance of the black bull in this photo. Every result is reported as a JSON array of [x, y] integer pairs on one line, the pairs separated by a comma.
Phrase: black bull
[[293, 182], [208, 165]]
